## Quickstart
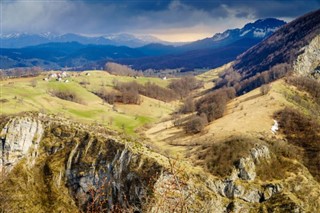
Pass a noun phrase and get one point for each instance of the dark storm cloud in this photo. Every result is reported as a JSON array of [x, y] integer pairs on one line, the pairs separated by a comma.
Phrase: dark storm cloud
[[142, 16]]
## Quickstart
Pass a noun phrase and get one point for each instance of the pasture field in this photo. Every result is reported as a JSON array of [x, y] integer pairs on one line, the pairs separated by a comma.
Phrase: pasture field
[[36, 94]]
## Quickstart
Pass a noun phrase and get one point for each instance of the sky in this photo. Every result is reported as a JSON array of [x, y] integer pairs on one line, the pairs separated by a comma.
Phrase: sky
[[170, 20]]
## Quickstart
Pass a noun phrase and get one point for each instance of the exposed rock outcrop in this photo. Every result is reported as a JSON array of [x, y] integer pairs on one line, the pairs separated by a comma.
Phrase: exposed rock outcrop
[[239, 184], [308, 63], [245, 168], [20, 137], [115, 175], [67, 168]]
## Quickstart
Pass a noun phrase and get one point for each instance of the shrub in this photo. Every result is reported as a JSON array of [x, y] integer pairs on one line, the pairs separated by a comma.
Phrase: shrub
[[119, 69], [214, 104], [126, 86], [154, 91], [309, 85], [264, 89], [302, 131], [84, 83], [126, 97], [34, 82], [188, 106], [129, 92], [227, 78], [131, 97], [109, 97], [67, 95], [219, 158], [183, 86], [246, 83], [149, 89], [196, 124]]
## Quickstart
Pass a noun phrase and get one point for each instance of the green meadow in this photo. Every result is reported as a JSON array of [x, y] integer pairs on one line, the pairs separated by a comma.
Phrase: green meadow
[[36, 94]]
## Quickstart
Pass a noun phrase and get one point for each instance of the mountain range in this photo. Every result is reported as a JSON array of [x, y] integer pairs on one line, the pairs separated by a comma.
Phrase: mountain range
[[78, 51], [210, 143], [20, 40]]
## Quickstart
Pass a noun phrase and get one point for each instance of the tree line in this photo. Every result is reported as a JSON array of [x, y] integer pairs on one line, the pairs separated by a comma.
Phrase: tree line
[[20, 72], [129, 92]]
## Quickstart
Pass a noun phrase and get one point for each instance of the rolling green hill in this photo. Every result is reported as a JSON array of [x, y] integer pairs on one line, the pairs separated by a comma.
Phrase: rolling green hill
[[35, 94]]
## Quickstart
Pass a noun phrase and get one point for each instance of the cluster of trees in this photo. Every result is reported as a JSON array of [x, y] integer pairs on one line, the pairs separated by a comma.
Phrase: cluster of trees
[[188, 106], [149, 89], [129, 92], [229, 84], [21, 72], [129, 96], [67, 95], [196, 124], [154, 91], [213, 104], [183, 86], [264, 89], [231, 78], [208, 108], [119, 69]]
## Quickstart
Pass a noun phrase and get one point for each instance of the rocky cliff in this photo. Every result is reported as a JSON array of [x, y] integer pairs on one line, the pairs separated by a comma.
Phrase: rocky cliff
[[53, 165], [308, 63], [71, 168]]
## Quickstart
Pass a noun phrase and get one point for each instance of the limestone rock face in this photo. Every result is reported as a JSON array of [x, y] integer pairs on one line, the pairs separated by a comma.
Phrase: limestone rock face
[[239, 185], [246, 167], [74, 168], [308, 63], [114, 177], [20, 137]]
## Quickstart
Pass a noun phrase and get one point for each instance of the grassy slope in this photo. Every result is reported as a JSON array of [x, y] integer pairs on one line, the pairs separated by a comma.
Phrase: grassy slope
[[249, 115], [21, 96]]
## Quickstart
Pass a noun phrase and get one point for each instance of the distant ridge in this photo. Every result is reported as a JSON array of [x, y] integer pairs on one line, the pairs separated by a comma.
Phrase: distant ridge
[[282, 47], [20, 40], [259, 29], [210, 52], [81, 52]]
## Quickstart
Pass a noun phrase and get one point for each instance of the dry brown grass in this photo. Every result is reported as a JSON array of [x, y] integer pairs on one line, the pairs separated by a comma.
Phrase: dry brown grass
[[219, 158]]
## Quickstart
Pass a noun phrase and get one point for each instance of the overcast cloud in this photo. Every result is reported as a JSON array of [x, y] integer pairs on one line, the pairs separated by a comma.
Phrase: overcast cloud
[[167, 19]]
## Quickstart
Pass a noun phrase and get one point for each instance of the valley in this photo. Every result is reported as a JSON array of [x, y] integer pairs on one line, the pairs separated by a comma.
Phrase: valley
[[142, 134]]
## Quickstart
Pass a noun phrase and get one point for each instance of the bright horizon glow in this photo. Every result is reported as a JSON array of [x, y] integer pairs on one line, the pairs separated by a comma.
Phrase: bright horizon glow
[[182, 37]]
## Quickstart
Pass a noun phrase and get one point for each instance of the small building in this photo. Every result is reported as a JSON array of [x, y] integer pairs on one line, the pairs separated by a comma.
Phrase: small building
[[53, 75], [64, 74]]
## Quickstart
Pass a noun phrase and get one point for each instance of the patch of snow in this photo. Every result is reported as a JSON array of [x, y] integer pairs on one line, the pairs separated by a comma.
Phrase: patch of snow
[[11, 35], [275, 127], [272, 29], [244, 33], [259, 33], [220, 36], [48, 35]]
